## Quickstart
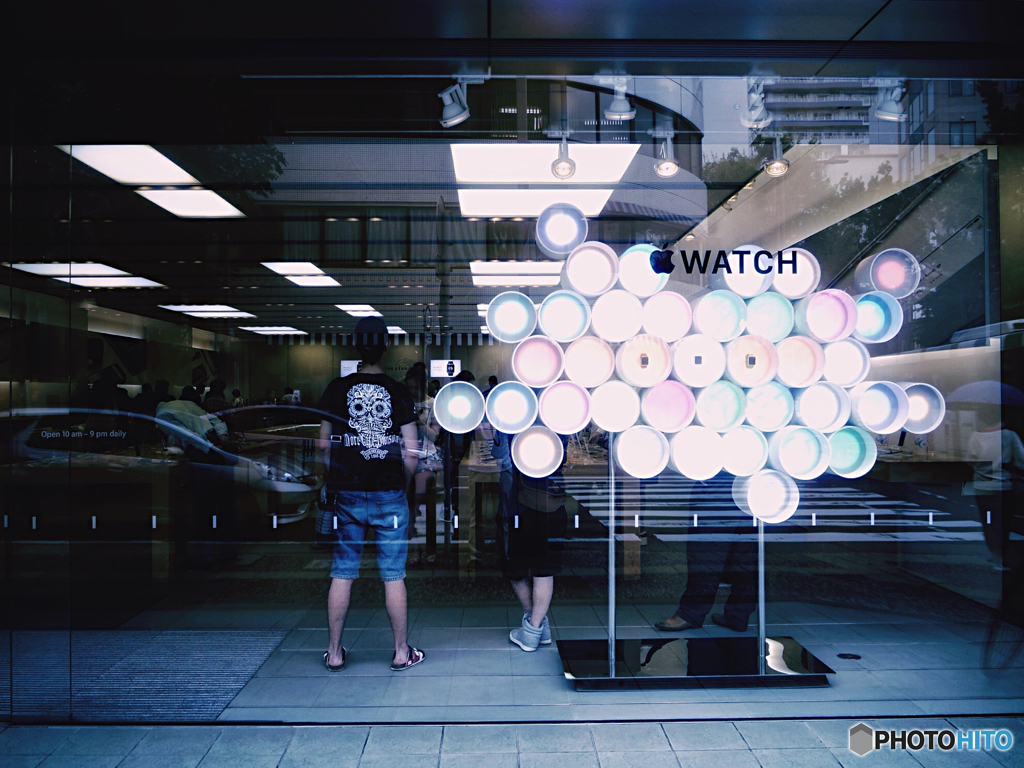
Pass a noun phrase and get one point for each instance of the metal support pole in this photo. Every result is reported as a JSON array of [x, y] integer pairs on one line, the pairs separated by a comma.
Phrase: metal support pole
[[761, 644], [611, 555]]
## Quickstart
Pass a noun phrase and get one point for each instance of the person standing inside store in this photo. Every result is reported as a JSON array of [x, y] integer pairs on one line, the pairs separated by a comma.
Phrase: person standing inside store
[[532, 528], [369, 451], [454, 449], [162, 391], [421, 488], [216, 400]]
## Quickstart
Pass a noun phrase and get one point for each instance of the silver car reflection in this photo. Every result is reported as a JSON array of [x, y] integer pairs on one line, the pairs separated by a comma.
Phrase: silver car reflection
[[273, 485]]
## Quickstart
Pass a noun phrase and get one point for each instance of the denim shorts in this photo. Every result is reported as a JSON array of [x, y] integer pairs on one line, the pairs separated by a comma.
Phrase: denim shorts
[[387, 513]]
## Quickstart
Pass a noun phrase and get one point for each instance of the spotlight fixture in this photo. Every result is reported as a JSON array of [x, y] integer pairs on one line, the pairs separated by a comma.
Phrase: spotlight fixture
[[778, 165], [755, 115], [665, 164], [456, 108], [620, 109], [889, 106], [563, 166]]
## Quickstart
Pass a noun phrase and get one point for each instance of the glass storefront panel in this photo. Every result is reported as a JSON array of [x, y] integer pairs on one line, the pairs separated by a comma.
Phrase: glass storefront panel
[[632, 406]]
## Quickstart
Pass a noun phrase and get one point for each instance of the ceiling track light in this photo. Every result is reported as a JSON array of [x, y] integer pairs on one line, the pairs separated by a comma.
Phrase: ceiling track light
[[889, 107], [456, 107], [563, 167], [665, 164], [620, 109], [778, 165], [755, 115]]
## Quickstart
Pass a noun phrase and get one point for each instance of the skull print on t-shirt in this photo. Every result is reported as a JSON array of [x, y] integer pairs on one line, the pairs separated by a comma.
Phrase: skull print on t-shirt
[[369, 414], [366, 412]]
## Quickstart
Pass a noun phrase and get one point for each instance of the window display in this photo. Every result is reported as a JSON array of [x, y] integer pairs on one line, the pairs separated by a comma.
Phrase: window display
[[706, 458]]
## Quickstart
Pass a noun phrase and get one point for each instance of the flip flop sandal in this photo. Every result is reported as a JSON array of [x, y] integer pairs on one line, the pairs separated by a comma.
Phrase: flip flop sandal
[[339, 667], [415, 657]]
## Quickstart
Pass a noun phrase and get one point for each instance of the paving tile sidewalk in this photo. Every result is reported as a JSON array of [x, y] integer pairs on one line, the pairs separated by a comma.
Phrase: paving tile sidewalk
[[739, 744], [906, 666]]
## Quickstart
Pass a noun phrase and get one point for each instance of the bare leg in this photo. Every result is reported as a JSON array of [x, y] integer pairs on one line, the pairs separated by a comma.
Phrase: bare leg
[[524, 593], [396, 600], [337, 607], [543, 590]]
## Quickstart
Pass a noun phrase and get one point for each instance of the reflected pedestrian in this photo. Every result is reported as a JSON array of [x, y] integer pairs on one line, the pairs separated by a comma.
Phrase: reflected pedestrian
[[998, 457]]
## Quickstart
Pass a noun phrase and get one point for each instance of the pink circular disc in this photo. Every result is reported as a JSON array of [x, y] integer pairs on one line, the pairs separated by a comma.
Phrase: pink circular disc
[[669, 406], [537, 361]]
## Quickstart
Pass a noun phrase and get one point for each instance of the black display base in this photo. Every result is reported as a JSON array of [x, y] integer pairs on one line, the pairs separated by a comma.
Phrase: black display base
[[698, 662]]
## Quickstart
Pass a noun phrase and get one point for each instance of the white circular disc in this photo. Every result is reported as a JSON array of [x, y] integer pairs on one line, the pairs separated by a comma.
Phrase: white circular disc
[[636, 274], [589, 362], [565, 407], [642, 452], [746, 451], [617, 316], [668, 316], [697, 453], [614, 406], [643, 361], [537, 451], [698, 360]]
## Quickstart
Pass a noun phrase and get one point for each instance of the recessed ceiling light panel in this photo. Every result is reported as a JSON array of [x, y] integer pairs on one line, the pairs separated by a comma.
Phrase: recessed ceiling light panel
[[192, 203], [69, 270], [111, 282], [525, 281], [130, 163], [529, 202], [198, 307], [531, 163], [274, 330], [359, 310], [293, 267], [515, 267], [220, 315], [313, 281]]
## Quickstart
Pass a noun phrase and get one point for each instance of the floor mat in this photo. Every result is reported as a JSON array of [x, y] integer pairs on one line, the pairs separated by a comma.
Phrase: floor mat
[[172, 676]]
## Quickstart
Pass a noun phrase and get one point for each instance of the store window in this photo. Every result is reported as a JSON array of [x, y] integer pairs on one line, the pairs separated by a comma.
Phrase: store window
[[205, 335]]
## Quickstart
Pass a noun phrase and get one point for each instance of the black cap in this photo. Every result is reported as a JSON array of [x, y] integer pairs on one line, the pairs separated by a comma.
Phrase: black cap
[[369, 327]]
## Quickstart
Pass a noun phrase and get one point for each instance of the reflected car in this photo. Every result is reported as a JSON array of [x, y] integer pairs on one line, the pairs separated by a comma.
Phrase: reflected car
[[291, 423], [271, 484]]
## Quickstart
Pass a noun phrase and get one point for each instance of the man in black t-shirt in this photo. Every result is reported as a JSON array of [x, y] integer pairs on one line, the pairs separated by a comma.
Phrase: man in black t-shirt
[[369, 450]]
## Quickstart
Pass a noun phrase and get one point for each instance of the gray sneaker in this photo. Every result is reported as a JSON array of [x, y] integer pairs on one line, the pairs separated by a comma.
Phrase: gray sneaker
[[545, 629], [526, 637]]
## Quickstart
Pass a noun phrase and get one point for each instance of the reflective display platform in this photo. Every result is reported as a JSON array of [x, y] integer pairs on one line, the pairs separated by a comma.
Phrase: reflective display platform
[[700, 662]]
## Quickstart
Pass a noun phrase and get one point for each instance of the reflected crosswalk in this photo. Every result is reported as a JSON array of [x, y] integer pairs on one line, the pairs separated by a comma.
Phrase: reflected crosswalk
[[671, 507]]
